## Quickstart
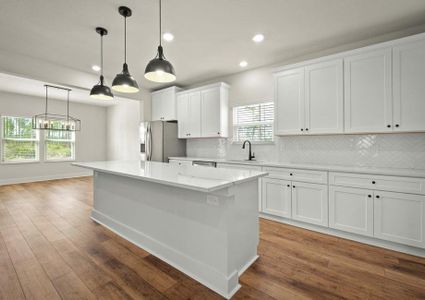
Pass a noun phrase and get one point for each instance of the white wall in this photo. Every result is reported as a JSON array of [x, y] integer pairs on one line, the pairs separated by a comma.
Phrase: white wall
[[90, 141], [123, 120]]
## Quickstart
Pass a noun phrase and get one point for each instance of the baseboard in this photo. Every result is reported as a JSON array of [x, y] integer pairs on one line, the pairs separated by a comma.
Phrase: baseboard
[[45, 177], [350, 236], [164, 253]]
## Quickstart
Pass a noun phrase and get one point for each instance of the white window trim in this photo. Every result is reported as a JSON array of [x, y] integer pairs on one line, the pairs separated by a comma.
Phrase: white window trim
[[2, 138], [234, 126]]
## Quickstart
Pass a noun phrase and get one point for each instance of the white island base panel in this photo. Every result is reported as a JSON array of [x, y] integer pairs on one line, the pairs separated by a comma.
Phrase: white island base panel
[[211, 237]]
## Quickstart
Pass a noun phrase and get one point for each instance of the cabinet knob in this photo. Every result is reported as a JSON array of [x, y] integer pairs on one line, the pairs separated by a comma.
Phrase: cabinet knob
[[377, 196], [290, 174], [369, 196], [373, 182], [306, 129], [218, 132], [389, 126], [397, 125], [288, 185], [302, 129], [293, 186]]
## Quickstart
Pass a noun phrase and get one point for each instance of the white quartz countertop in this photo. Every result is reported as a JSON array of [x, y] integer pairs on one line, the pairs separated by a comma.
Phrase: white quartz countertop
[[331, 168], [198, 178]]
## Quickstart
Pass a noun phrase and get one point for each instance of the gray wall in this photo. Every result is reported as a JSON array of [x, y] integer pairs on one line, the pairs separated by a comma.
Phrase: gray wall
[[90, 141]]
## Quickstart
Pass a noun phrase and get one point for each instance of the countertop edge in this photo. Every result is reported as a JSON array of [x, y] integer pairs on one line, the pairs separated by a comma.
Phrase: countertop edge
[[170, 183], [331, 168]]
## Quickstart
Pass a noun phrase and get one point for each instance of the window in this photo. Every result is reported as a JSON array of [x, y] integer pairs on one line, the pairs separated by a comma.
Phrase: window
[[59, 145], [253, 122], [20, 142]]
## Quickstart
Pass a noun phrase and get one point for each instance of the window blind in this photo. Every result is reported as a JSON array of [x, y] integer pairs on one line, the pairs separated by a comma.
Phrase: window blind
[[253, 122]]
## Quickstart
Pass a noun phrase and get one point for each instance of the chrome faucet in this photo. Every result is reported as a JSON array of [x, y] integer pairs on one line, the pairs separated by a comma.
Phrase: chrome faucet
[[250, 155]]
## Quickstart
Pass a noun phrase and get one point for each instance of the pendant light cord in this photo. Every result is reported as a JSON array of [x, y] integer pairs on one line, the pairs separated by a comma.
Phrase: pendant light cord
[[125, 39], [160, 22], [67, 106], [46, 98]]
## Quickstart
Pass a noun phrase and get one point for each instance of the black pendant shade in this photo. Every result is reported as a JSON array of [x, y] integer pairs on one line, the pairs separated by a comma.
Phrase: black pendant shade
[[124, 82], [159, 69], [100, 90]]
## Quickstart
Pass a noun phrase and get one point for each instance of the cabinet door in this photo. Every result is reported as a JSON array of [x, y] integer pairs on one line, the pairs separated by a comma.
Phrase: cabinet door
[[183, 115], [400, 218], [194, 116], [211, 114], [289, 95], [351, 210], [324, 101], [368, 99], [157, 107], [310, 203], [168, 105], [409, 86], [276, 197]]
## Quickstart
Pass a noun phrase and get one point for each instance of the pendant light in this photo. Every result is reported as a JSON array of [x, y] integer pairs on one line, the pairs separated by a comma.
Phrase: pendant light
[[124, 82], [101, 91], [50, 121], [159, 69]]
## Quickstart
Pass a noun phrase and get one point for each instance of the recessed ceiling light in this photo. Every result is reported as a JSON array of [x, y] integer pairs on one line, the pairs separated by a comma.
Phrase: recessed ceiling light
[[258, 38], [168, 36], [243, 64], [95, 68]]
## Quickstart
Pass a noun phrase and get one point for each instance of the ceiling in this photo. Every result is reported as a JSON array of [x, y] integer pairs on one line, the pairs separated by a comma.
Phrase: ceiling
[[211, 37]]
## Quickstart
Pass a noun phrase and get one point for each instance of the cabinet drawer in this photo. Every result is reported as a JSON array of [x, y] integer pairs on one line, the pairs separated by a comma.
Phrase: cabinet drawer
[[378, 182], [297, 174], [180, 162]]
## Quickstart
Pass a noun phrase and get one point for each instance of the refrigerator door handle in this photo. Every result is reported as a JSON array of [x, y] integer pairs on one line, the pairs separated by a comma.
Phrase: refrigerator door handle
[[148, 142]]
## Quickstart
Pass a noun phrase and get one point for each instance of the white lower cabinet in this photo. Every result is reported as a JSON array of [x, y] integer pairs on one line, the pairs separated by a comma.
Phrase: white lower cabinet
[[400, 218], [310, 203], [276, 195], [351, 210]]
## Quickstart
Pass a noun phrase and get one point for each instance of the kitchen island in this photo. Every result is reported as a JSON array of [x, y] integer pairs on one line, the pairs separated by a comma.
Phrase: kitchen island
[[203, 221]]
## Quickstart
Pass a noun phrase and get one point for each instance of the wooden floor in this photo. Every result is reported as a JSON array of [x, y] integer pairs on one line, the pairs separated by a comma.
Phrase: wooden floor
[[50, 249]]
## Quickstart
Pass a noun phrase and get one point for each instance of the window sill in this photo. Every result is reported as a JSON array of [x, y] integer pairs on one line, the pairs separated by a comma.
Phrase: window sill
[[254, 143], [20, 162]]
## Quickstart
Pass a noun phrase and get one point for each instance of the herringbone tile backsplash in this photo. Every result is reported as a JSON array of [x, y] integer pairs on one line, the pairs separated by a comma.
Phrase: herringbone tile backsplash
[[377, 150]]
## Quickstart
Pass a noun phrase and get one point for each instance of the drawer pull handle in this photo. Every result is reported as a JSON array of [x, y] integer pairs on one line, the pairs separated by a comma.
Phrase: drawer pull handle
[[370, 196], [373, 182], [377, 196]]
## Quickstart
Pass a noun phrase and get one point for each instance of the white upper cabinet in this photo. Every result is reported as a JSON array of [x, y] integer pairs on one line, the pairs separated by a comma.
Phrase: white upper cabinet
[[203, 112], [309, 100], [289, 104], [324, 100], [214, 112], [409, 86], [189, 114], [164, 106], [368, 93]]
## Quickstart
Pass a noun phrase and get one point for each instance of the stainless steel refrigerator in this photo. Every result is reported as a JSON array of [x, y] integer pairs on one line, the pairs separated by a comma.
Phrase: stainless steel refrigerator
[[159, 140]]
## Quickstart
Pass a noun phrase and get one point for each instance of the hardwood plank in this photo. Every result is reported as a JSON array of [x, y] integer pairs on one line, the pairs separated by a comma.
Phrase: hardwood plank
[[10, 288], [70, 286]]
